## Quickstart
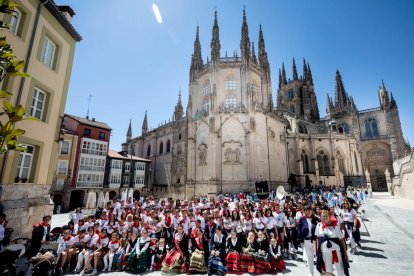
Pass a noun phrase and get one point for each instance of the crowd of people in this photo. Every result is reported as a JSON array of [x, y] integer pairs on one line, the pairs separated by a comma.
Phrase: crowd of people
[[230, 233]]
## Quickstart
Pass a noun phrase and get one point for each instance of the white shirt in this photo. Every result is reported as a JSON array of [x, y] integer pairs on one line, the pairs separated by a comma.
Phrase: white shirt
[[309, 221], [330, 231], [271, 221], [259, 223], [349, 216], [280, 219]]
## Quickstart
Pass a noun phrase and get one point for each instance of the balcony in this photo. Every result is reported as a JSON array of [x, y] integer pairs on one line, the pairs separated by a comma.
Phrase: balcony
[[378, 137]]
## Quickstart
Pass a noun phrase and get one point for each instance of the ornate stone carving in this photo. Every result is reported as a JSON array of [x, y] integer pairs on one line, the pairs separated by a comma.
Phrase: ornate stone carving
[[232, 156], [202, 155], [271, 134]]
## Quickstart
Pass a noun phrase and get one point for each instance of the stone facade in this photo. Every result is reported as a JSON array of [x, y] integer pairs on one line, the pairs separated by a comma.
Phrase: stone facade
[[25, 205], [403, 181], [232, 136]]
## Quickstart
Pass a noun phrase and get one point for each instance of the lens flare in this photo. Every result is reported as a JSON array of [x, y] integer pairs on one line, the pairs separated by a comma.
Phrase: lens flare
[[157, 13]]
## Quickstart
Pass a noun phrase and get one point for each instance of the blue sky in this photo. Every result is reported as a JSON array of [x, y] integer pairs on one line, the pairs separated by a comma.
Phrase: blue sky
[[130, 63]]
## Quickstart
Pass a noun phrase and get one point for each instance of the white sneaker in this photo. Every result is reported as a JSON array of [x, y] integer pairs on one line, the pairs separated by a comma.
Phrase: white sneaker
[[82, 272], [93, 272], [105, 268]]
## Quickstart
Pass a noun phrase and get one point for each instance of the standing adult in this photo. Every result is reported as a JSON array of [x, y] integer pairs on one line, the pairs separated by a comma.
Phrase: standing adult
[[40, 234], [306, 235], [330, 246]]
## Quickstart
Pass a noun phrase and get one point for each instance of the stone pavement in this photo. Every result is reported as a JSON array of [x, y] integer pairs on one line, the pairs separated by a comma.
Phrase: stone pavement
[[386, 240]]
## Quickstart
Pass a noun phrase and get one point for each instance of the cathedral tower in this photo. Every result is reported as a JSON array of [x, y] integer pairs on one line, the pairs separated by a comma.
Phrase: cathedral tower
[[298, 96], [145, 124], [129, 132]]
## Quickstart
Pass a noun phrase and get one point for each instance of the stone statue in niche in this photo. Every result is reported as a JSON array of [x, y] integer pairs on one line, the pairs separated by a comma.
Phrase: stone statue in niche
[[232, 157], [271, 134], [202, 155]]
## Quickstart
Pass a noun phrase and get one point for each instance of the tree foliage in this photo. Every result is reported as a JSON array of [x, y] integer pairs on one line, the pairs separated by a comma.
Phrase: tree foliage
[[11, 66]]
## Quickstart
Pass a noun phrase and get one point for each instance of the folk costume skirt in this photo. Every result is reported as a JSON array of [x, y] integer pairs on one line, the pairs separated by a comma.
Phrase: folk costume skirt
[[197, 263]]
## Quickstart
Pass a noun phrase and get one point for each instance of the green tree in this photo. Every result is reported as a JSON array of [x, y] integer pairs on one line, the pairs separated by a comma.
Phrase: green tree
[[10, 66]]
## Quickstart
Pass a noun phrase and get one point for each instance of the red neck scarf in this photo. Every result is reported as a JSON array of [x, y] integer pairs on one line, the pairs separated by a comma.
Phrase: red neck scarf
[[168, 221], [101, 237], [333, 223], [67, 238]]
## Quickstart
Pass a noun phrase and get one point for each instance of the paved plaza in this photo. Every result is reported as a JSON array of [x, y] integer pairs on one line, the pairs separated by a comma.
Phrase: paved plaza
[[386, 240]]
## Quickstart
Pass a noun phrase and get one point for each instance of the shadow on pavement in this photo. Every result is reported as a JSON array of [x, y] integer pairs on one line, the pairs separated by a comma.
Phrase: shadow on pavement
[[371, 249], [371, 255], [371, 241], [290, 264]]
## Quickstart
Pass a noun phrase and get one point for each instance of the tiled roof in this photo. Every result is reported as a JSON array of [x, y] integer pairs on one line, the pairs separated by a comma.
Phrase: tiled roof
[[117, 155], [90, 122]]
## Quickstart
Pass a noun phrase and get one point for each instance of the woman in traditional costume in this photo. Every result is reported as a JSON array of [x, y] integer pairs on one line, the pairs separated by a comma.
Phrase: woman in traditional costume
[[330, 246], [217, 253], [199, 253], [261, 257], [137, 261], [233, 250], [174, 262], [247, 255]]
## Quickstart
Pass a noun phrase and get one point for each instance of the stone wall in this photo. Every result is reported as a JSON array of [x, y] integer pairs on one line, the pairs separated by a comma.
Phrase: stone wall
[[25, 205], [403, 182]]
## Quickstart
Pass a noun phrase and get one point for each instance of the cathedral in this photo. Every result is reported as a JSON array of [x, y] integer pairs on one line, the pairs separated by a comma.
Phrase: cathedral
[[231, 135]]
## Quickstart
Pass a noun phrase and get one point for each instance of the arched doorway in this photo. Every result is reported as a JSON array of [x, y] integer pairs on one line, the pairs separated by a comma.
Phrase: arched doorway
[[112, 195], [77, 199], [377, 158], [136, 195]]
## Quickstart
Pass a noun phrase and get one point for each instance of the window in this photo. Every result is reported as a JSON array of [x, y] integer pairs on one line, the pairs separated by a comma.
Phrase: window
[[292, 108], [179, 149], [38, 104], [102, 135], [149, 150], [116, 164], [302, 129], [343, 128], [60, 183], [126, 180], [24, 165], [139, 166], [371, 129], [127, 166], [341, 163], [15, 19], [92, 164], [87, 132], [323, 163], [179, 136], [230, 103], [62, 166], [305, 161], [291, 95], [205, 108], [115, 178], [94, 148], [231, 85], [168, 145], [64, 147], [161, 147], [47, 55], [206, 90], [139, 179]]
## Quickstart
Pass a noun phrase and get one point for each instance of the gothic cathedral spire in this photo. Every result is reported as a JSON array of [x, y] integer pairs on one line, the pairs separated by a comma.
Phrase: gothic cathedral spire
[[196, 59], [305, 70], [341, 97], [178, 112], [145, 124], [245, 41], [129, 132], [295, 72], [264, 63], [284, 81], [215, 42], [310, 75]]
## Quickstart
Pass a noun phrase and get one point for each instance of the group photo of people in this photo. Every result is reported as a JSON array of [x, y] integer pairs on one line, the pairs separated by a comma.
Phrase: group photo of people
[[216, 235]]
